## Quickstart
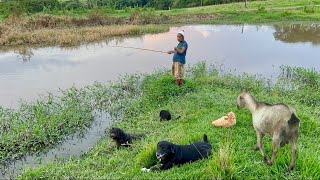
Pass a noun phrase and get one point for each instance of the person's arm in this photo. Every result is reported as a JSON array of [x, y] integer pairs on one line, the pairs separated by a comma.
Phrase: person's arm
[[171, 52], [180, 51]]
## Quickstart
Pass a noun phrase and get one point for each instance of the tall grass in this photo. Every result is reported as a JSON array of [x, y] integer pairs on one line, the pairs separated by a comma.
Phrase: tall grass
[[207, 95], [74, 36]]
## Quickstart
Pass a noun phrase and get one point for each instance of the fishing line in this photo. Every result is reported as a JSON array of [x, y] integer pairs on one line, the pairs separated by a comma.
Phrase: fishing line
[[143, 49]]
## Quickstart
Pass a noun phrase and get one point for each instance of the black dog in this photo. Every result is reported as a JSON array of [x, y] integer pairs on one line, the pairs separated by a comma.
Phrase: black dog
[[123, 139], [165, 115], [169, 154]]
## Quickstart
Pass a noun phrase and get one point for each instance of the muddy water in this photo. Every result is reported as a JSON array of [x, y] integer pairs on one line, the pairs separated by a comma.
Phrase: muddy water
[[72, 147], [26, 73]]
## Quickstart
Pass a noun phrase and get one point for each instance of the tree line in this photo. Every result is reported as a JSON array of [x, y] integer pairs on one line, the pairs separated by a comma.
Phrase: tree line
[[33, 6]]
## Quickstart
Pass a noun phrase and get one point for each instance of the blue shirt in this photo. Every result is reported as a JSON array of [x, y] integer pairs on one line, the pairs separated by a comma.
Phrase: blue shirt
[[181, 58]]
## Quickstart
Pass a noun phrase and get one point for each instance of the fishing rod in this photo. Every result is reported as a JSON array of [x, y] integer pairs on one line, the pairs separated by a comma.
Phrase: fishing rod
[[143, 49]]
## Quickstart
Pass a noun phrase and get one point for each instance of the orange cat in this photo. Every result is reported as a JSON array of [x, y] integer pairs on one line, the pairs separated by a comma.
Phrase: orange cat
[[225, 121]]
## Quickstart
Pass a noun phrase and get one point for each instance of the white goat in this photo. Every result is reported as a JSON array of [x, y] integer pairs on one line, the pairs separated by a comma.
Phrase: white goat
[[279, 121]]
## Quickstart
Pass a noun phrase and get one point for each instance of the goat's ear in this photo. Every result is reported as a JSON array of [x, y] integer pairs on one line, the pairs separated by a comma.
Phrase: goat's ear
[[243, 90]]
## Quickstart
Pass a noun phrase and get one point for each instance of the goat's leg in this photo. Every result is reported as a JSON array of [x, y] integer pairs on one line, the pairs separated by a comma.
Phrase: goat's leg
[[260, 136], [276, 144], [294, 152]]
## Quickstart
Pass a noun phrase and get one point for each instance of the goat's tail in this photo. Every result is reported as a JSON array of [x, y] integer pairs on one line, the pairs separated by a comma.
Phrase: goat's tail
[[294, 120], [205, 138], [294, 123]]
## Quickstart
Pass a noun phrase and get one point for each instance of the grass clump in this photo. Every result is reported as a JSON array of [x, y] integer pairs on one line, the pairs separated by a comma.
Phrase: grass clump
[[41, 125], [162, 89], [212, 95]]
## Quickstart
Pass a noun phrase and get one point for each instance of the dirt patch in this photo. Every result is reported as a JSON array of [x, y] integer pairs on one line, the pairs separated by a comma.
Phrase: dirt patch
[[191, 18]]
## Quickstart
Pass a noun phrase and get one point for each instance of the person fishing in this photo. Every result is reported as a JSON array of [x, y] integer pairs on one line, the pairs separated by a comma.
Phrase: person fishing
[[179, 58]]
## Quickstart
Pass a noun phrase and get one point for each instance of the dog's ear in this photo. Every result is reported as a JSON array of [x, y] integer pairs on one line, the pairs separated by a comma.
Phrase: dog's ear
[[172, 149]]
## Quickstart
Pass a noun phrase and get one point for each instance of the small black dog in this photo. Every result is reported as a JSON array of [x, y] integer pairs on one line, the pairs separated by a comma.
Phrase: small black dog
[[123, 139], [166, 115], [169, 154]]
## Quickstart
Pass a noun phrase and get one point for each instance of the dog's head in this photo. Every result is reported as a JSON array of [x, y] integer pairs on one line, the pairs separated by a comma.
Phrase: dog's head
[[164, 115], [241, 101], [165, 149], [116, 133]]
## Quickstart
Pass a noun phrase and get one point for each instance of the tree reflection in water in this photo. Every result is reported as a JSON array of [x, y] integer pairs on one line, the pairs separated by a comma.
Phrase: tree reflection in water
[[24, 54], [298, 33]]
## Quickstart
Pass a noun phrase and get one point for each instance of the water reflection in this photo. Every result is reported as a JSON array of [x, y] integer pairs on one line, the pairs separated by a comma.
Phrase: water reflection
[[298, 33], [292, 33]]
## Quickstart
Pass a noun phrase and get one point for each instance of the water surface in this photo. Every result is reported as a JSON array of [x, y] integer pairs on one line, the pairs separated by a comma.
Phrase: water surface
[[26, 72]]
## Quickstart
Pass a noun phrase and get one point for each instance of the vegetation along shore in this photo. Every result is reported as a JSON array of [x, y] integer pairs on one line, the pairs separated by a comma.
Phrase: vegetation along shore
[[65, 26]]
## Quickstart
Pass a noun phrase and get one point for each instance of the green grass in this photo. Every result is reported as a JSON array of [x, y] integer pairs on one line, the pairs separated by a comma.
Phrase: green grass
[[234, 12], [207, 95], [257, 12]]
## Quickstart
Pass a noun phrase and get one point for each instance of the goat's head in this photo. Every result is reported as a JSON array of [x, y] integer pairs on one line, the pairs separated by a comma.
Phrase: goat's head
[[241, 103]]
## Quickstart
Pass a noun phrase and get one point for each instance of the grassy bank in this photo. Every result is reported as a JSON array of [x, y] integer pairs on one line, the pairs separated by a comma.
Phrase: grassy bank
[[13, 36], [73, 27], [207, 95]]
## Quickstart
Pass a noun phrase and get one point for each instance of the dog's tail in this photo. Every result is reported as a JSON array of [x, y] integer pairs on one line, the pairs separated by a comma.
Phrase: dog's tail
[[205, 138], [178, 117]]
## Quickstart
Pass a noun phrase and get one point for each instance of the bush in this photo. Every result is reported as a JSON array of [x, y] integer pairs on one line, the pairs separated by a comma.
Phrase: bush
[[261, 9], [309, 9]]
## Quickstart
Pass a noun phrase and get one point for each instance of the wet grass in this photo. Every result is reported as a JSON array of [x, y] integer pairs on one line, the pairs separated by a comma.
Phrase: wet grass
[[37, 127], [40, 125], [207, 95]]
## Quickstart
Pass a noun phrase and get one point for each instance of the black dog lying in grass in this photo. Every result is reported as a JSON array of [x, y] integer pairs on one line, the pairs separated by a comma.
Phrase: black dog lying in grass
[[123, 139], [169, 154], [166, 115]]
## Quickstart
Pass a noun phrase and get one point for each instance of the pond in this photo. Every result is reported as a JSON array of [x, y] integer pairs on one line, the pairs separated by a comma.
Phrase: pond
[[26, 73]]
